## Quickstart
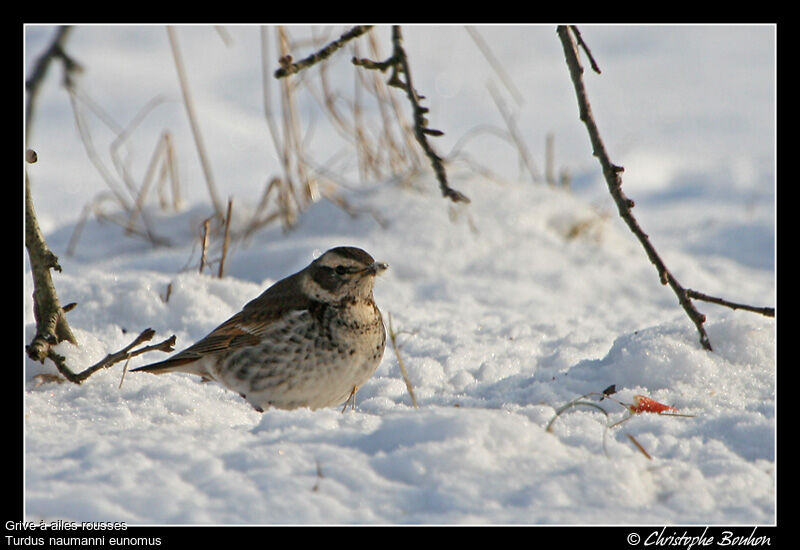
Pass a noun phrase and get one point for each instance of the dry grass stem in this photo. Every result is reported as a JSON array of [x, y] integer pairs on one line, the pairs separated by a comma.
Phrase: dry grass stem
[[516, 137], [292, 134], [549, 153], [351, 400], [169, 171], [161, 157], [125, 194], [76, 100], [406, 379], [227, 239], [639, 446], [195, 127], [495, 64], [204, 244]]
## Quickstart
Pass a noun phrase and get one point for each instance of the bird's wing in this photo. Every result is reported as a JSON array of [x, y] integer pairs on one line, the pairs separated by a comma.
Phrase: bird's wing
[[242, 330]]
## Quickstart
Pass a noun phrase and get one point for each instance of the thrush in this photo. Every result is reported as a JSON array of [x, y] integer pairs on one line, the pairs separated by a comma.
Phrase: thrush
[[310, 340]]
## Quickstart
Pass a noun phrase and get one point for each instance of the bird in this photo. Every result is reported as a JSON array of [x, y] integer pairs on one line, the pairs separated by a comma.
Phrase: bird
[[309, 340]]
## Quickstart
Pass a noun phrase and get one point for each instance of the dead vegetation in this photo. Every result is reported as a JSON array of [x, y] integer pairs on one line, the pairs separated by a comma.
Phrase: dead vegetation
[[384, 128], [380, 134]]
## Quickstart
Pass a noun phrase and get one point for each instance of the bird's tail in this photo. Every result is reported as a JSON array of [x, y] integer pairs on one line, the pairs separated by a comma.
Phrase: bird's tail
[[174, 364]]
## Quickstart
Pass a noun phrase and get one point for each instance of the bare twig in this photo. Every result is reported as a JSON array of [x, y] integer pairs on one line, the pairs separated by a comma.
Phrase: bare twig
[[54, 51], [583, 45], [398, 62], [287, 67], [376, 148], [765, 311], [611, 172], [399, 159], [51, 321], [110, 359]]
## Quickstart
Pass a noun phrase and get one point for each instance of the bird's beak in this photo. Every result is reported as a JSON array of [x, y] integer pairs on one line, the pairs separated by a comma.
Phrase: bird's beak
[[376, 268]]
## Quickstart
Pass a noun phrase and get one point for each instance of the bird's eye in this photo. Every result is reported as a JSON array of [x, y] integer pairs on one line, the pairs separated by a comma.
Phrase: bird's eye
[[341, 270]]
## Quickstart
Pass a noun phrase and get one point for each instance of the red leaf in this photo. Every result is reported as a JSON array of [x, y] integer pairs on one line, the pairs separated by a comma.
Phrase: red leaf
[[642, 404]]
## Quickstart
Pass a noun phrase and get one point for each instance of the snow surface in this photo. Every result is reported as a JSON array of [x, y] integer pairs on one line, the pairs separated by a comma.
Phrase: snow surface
[[503, 316]]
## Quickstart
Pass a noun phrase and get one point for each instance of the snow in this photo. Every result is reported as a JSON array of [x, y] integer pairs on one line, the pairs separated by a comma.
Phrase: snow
[[503, 314]]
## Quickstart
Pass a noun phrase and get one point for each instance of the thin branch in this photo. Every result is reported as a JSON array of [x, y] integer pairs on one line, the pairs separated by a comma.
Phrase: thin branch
[[287, 67], [583, 45], [110, 359], [410, 155], [611, 172], [765, 311], [398, 62], [51, 321], [54, 51]]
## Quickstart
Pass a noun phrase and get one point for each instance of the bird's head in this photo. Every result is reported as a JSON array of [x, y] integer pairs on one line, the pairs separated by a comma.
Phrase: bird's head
[[342, 272]]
